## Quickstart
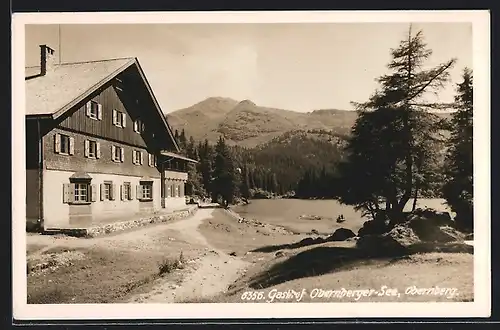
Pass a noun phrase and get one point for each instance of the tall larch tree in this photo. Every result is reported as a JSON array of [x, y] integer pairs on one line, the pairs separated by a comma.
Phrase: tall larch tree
[[394, 141]]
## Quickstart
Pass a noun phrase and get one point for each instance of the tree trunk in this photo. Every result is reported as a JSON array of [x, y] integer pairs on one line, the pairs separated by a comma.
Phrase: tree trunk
[[398, 210], [415, 197]]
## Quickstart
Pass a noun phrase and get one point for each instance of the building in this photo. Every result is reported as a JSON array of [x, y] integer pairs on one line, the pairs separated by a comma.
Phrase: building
[[97, 144]]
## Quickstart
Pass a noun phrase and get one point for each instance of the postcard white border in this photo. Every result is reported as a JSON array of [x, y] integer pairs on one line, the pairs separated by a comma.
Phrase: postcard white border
[[481, 307]]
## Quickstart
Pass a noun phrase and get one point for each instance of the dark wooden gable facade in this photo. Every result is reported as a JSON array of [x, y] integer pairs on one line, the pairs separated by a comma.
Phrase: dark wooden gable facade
[[126, 95]]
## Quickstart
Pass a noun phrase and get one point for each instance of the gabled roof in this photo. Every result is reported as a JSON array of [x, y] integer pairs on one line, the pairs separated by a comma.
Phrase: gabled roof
[[65, 85]]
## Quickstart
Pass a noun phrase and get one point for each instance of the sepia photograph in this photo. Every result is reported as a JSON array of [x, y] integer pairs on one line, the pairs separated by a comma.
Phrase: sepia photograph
[[325, 162]]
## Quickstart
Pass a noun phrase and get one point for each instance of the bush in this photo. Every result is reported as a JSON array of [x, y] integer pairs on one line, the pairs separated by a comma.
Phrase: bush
[[168, 265], [341, 234], [375, 245], [374, 227]]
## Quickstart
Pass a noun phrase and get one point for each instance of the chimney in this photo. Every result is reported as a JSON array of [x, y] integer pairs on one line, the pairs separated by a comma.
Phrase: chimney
[[47, 59]]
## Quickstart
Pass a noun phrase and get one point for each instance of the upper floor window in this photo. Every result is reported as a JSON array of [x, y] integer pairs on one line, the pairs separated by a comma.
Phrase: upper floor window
[[117, 154], [93, 110], [137, 157], [119, 119], [64, 144], [92, 149], [139, 126], [151, 160]]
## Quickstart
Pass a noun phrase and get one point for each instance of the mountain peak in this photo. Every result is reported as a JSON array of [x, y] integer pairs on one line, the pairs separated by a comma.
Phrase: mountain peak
[[218, 99], [247, 103]]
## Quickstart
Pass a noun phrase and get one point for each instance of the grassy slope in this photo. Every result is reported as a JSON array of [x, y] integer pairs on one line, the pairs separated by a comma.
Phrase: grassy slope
[[444, 270], [337, 265], [110, 271]]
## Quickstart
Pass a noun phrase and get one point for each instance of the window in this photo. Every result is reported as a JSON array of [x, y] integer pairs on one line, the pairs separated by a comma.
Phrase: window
[[81, 192], [137, 157], [169, 191], [145, 191], [139, 126], [126, 191], [93, 110], [151, 160], [117, 154], [177, 191], [107, 191], [92, 149], [64, 144], [119, 119]]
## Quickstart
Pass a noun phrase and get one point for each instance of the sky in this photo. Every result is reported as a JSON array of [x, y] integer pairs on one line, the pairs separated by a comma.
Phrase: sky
[[299, 66]]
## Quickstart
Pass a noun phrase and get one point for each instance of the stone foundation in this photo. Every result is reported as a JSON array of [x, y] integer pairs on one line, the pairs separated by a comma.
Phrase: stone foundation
[[99, 230]]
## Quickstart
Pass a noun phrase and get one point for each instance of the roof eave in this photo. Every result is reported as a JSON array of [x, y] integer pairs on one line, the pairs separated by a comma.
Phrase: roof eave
[[174, 155], [39, 116]]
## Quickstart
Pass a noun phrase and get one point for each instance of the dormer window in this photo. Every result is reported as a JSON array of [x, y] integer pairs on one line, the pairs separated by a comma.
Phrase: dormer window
[[93, 110], [139, 126], [119, 119]]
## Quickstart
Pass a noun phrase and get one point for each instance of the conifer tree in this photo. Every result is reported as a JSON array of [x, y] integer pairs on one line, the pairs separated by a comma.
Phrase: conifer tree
[[225, 182], [458, 189], [392, 149]]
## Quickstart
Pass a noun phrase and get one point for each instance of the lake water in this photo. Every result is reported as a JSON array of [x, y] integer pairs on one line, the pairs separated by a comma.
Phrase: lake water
[[293, 213]]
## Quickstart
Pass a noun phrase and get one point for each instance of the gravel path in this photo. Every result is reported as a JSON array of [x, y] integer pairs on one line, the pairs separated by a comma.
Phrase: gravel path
[[212, 273]]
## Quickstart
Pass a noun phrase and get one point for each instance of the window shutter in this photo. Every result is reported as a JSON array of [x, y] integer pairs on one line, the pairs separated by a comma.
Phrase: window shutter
[[113, 151], [88, 107], [154, 157], [149, 159], [136, 126], [71, 145], [124, 120], [113, 192], [134, 157], [114, 117], [130, 192], [138, 189], [98, 150], [57, 143], [122, 192], [67, 193], [122, 154], [93, 192], [141, 157], [102, 191], [87, 144], [99, 111]]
